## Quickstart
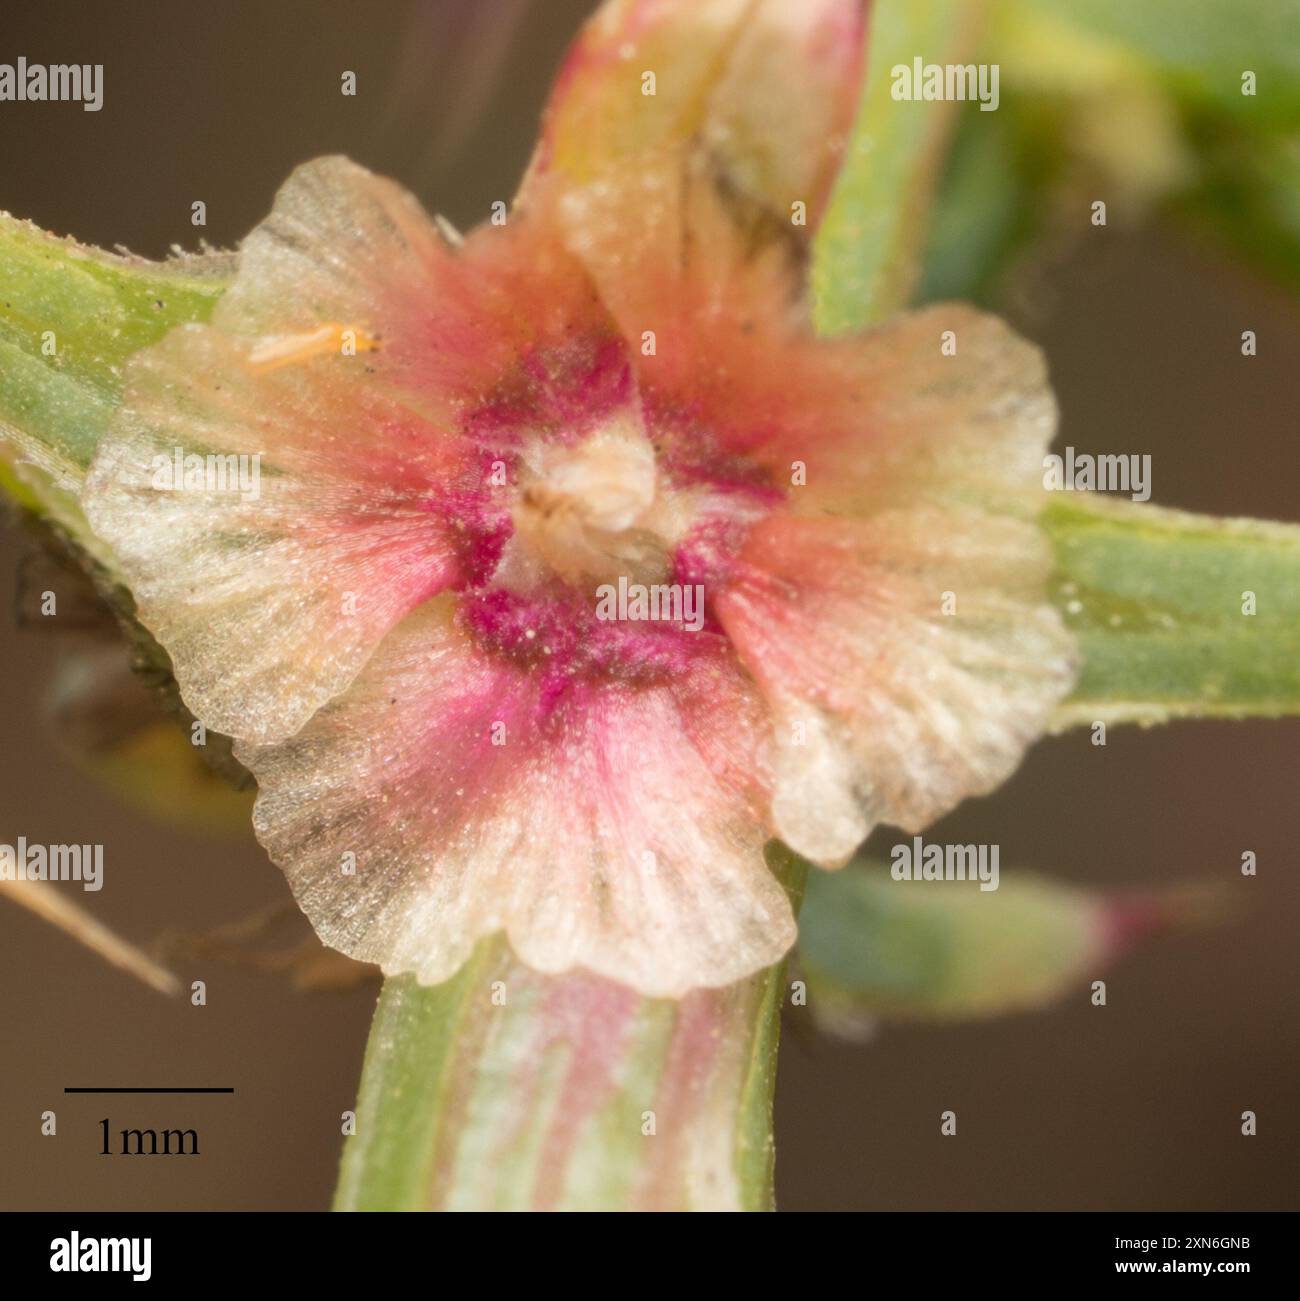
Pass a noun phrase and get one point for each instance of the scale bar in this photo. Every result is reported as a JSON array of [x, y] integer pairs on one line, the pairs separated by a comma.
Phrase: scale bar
[[149, 1090]]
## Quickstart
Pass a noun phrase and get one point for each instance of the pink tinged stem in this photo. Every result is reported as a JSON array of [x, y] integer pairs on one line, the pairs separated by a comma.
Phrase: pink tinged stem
[[503, 1089]]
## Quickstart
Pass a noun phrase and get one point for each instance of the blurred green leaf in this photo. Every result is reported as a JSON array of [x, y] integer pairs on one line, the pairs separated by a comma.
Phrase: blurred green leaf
[[1140, 103], [1200, 46], [872, 947], [1248, 195], [1156, 599], [982, 214]]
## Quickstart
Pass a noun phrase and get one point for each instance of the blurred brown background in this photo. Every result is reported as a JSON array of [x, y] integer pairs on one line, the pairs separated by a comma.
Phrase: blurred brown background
[[1134, 1106]]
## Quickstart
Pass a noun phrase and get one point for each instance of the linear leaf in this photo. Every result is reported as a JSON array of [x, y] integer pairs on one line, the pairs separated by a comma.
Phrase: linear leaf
[[1157, 599]]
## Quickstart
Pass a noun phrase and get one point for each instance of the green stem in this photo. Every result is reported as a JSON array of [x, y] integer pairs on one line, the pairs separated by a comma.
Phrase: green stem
[[506, 1090]]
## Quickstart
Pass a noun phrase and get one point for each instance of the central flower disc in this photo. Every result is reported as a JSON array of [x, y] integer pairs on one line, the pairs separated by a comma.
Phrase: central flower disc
[[595, 511]]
